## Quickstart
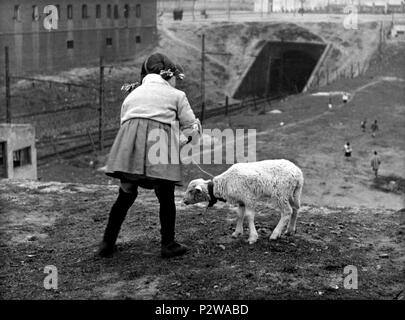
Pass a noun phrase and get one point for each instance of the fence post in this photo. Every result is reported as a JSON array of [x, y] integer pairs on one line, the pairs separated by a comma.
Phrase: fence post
[[91, 140], [226, 105], [202, 77], [54, 146], [8, 114], [101, 106]]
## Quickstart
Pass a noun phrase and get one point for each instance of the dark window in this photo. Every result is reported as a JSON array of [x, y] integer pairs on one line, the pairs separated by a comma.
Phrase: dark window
[[138, 11], [98, 11], [116, 13], [126, 11], [70, 12], [70, 44], [109, 11], [108, 42], [35, 13], [22, 157], [17, 12], [2, 152], [3, 167], [138, 39], [84, 11]]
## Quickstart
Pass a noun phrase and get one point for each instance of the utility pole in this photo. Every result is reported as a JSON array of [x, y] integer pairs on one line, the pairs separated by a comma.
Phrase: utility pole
[[203, 53], [8, 115], [101, 106], [267, 89], [202, 77], [229, 10]]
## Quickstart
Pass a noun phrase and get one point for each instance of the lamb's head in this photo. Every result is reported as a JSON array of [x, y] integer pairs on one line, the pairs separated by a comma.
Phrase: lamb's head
[[197, 191]]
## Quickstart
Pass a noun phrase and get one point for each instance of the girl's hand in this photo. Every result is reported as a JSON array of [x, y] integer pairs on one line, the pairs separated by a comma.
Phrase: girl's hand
[[183, 140], [197, 126]]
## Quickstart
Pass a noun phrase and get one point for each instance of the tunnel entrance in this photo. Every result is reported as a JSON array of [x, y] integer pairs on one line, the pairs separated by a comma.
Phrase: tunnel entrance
[[280, 68]]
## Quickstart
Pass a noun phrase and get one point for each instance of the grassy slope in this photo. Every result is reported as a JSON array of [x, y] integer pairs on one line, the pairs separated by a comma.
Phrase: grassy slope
[[317, 145]]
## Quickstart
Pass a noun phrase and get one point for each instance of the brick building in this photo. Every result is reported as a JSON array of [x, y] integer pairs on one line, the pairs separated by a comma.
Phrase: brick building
[[115, 29]]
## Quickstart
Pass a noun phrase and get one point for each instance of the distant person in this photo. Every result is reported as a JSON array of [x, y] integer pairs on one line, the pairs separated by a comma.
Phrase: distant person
[[363, 125], [375, 163], [348, 150], [374, 128], [345, 97], [301, 11], [204, 13]]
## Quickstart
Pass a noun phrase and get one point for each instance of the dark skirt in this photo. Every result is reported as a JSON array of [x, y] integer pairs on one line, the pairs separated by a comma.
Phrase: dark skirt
[[132, 160]]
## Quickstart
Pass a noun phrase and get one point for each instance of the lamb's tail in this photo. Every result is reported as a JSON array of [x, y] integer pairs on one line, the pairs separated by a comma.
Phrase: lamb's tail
[[296, 197]]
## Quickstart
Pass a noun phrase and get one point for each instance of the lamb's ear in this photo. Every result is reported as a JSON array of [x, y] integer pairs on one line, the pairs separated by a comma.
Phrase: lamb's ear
[[199, 188]]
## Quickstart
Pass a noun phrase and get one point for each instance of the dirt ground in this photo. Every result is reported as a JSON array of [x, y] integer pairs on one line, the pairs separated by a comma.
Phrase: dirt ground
[[348, 218], [60, 225]]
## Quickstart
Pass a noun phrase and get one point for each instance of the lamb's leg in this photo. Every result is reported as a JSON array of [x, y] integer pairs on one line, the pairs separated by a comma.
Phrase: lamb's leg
[[295, 204], [292, 223], [286, 212], [250, 214], [239, 221]]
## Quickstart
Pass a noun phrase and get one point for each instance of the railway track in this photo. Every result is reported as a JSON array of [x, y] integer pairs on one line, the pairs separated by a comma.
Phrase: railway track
[[75, 148], [72, 146]]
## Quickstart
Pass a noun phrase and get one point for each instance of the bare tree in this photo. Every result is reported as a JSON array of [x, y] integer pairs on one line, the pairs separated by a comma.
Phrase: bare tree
[[192, 9]]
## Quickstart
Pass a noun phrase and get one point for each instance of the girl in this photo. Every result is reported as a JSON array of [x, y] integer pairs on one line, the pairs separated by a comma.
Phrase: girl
[[154, 105]]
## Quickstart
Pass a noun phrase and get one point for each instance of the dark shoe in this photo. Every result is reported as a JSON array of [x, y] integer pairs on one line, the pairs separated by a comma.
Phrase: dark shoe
[[173, 249], [106, 250]]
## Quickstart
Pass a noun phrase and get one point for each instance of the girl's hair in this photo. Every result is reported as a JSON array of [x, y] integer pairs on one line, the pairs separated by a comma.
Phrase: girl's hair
[[159, 63], [129, 87]]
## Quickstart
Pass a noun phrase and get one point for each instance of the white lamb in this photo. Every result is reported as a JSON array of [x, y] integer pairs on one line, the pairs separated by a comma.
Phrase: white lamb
[[243, 184]]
